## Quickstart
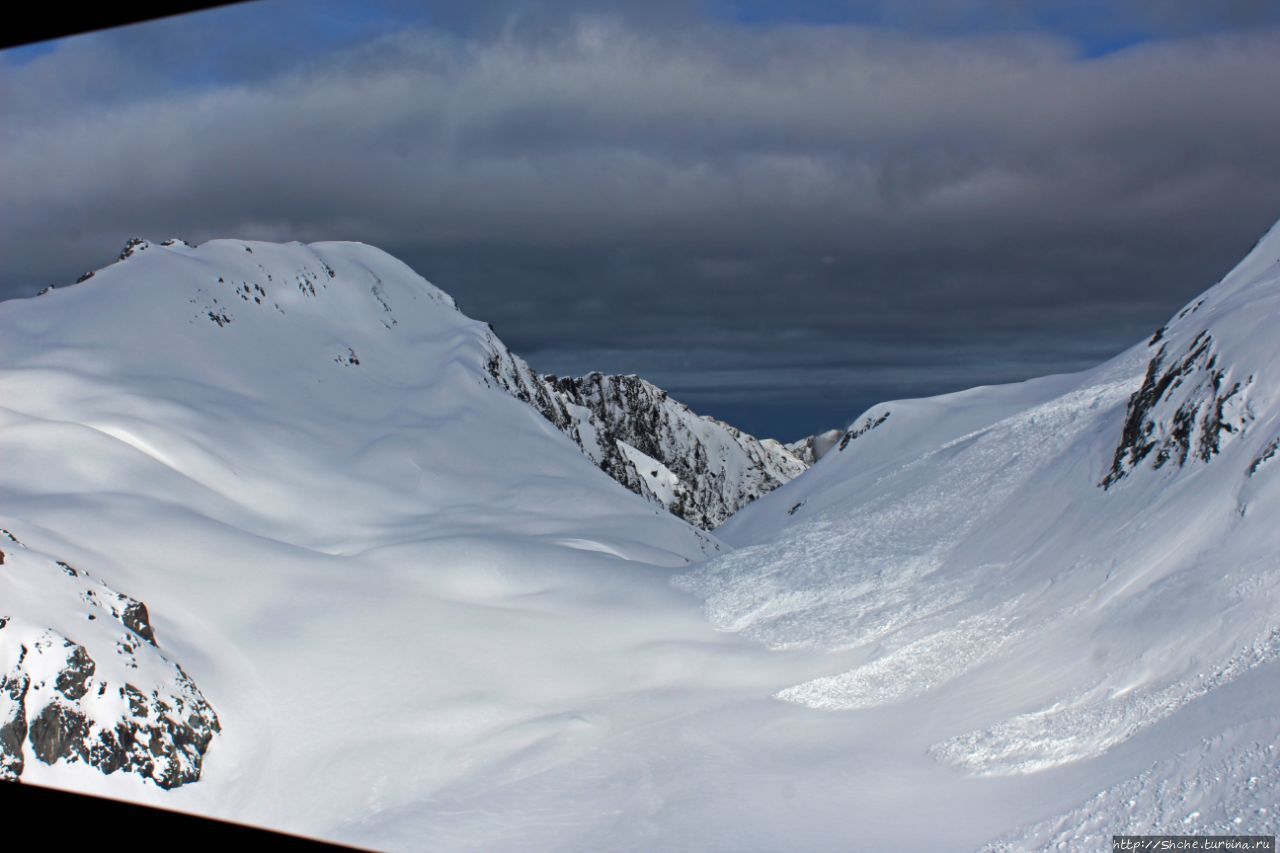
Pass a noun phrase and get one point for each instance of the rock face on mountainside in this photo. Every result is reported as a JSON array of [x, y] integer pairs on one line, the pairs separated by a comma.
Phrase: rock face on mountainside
[[1209, 380], [83, 681], [1188, 405], [698, 468]]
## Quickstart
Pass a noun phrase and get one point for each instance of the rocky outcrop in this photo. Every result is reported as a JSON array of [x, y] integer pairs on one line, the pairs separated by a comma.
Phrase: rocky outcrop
[[108, 698], [698, 468], [1186, 407]]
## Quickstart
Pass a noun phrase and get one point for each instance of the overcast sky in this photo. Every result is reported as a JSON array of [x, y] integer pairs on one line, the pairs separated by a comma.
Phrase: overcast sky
[[782, 212]]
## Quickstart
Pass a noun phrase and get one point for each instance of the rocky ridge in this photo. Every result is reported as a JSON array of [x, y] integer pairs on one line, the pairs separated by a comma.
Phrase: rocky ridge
[[697, 467]]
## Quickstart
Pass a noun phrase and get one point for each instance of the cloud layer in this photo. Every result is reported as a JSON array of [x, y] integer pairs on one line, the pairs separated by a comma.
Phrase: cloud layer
[[770, 218]]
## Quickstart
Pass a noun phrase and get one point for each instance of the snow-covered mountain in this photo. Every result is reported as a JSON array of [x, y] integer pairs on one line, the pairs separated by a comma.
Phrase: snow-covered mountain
[[295, 456], [390, 603], [697, 467], [1073, 582]]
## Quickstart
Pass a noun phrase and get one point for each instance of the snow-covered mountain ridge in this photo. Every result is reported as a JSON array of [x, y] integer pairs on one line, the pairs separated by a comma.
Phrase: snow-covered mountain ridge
[[293, 403], [698, 468], [1082, 567]]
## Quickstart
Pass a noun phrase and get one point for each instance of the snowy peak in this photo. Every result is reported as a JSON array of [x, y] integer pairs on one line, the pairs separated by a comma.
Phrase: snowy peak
[[337, 315], [236, 298], [296, 457], [698, 468], [242, 370]]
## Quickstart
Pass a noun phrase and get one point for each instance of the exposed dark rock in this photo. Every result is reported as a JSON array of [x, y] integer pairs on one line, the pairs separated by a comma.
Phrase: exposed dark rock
[[162, 735], [137, 702], [164, 741], [13, 724], [60, 732], [137, 620], [132, 247], [1180, 411], [865, 427], [72, 679], [1268, 453], [159, 742]]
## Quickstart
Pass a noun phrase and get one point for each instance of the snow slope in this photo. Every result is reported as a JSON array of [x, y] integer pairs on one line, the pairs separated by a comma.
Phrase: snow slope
[[355, 547], [1064, 579]]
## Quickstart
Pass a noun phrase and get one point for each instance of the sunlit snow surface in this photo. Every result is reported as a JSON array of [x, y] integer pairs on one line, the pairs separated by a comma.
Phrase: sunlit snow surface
[[426, 621], [962, 554]]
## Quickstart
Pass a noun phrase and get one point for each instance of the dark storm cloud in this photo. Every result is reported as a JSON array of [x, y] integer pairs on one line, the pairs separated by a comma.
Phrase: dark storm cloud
[[769, 216]]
